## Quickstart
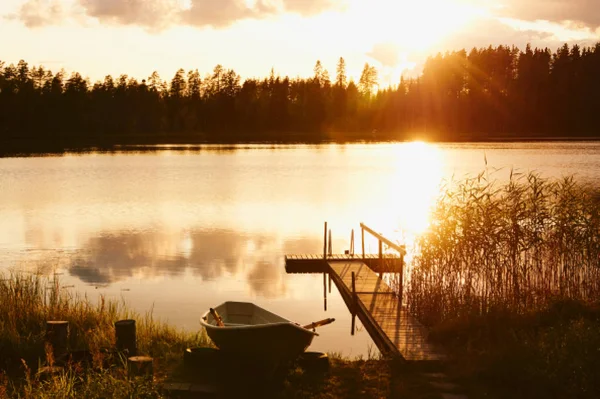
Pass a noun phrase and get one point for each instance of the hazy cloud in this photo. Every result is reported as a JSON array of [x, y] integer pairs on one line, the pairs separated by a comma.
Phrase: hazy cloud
[[584, 11], [160, 14], [150, 13], [35, 13], [309, 7], [491, 31], [388, 54], [224, 12]]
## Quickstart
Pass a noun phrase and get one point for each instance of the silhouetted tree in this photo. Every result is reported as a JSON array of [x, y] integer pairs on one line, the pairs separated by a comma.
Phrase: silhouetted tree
[[485, 93]]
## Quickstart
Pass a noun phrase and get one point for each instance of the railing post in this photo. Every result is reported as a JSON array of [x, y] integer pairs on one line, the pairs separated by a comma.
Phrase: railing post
[[352, 243], [329, 243], [325, 242], [380, 252], [362, 232]]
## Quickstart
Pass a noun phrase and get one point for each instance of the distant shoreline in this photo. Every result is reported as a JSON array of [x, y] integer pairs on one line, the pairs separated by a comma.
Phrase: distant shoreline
[[36, 147]]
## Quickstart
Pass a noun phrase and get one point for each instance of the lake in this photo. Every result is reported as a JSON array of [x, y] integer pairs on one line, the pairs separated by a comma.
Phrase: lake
[[177, 230]]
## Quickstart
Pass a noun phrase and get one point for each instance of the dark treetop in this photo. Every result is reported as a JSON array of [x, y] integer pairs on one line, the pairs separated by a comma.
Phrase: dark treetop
[[494, 93]]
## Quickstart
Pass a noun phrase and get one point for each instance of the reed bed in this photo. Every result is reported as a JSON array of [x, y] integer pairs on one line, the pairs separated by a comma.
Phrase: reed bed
[[515, 247]]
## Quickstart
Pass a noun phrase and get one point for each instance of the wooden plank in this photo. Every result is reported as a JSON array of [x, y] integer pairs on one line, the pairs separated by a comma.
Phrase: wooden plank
[[393, 329]]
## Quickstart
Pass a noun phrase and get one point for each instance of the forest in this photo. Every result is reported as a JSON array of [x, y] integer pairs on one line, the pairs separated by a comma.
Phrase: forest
[[494, 93]]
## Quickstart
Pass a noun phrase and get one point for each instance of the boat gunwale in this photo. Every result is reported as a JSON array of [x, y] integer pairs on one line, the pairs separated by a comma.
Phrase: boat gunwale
[[207, 325]]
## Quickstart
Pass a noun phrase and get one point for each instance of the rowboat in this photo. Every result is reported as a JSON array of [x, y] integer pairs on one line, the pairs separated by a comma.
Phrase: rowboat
[[247, 329]]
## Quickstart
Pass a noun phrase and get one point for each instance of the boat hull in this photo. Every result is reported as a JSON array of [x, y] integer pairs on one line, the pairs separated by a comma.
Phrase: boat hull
[[254, 332]]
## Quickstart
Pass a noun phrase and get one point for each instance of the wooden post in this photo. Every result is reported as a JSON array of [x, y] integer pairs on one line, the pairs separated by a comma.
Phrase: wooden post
[[57, 335], [353, 326], [352, 243], [140, 366], [329, 274], [329, 243], [325, 242], [325, 291], [401, 279], [362, 233], [354, 298], [380, 252], [126, 337]]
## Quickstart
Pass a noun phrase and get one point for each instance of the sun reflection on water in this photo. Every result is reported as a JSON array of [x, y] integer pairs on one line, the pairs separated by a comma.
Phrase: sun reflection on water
[[412, 190]]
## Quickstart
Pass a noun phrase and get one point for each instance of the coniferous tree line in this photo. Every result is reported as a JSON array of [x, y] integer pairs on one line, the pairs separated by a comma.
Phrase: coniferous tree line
[[483, 94]]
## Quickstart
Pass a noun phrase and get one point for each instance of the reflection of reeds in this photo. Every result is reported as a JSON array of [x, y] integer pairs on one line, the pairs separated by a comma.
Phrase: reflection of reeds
[[513, 247]]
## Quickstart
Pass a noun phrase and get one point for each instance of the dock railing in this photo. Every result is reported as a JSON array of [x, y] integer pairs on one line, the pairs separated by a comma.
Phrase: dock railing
[[401, 249]]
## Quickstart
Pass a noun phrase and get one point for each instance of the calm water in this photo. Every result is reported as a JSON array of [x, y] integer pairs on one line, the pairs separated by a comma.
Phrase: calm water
[[180, 230]]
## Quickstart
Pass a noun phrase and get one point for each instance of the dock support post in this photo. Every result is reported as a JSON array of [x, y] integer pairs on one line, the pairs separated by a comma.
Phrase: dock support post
[[354, 302], [140, 366], [354, 298], [325, 242], [401, 293], [126, 337], [325, 291], [57, 335], [329, 274], [329, 244], [380, 251]]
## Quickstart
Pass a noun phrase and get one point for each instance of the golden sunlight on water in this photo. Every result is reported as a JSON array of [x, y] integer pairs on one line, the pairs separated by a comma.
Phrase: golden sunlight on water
[[414, 187], [178, 231]]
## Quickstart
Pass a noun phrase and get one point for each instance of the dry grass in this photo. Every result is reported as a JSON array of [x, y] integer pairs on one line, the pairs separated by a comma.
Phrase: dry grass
[[27, 301]]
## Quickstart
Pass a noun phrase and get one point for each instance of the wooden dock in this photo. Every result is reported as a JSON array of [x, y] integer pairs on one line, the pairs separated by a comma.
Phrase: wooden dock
[[316, 263], [394, 331], [368, 296]]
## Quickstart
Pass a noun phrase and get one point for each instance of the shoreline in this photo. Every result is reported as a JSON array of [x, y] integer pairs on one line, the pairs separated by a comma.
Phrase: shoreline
[[23, 148]]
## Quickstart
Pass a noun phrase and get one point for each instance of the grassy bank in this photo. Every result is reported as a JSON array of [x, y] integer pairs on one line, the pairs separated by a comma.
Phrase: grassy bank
[[27, 301], [508, 277]]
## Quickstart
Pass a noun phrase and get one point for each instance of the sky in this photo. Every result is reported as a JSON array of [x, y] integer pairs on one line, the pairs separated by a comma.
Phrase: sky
[[137, 37]]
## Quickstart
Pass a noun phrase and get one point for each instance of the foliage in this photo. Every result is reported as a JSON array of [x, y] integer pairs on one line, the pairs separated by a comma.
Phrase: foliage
[[494, 92]]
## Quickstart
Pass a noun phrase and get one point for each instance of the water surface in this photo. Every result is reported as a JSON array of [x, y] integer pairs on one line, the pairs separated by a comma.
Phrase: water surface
[[181, 229]]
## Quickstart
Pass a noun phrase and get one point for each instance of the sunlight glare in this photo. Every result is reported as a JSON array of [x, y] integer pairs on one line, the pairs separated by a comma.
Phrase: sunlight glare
[[418, 173], [413, 25]]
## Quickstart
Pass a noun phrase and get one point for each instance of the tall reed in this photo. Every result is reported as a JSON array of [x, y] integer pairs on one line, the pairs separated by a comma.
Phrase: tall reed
[[513, 247]]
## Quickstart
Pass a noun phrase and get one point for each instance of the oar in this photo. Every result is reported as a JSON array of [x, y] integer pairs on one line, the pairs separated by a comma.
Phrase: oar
[[217, 318], [318, 324]]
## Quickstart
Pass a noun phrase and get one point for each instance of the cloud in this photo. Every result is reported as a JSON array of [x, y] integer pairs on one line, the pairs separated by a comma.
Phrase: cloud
[[309, 7], [161, 14], [491, 31], [583, 11], [224, 12], [156, 14], [388, 54], [35, 13]]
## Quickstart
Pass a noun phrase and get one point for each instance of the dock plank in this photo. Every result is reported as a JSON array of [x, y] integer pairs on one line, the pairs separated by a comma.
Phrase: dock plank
[[393, 328]]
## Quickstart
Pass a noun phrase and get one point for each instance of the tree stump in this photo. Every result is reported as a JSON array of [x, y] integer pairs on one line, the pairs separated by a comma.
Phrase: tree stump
[[140, 366], [57, 335], [126, 337]]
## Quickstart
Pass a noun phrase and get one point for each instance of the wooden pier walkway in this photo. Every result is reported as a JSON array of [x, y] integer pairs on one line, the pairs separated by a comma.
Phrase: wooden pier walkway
[[394, 331], [359, 281]]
